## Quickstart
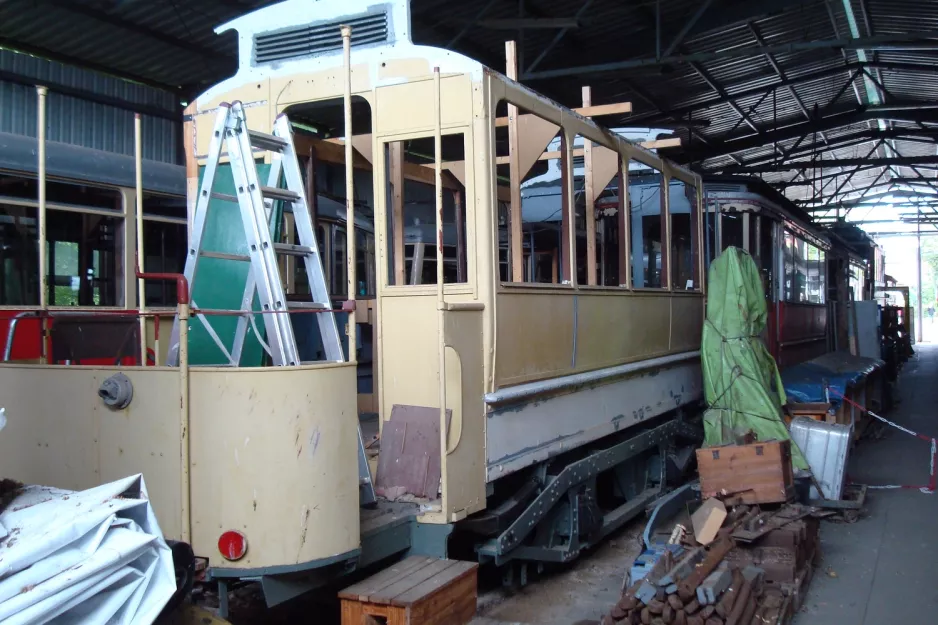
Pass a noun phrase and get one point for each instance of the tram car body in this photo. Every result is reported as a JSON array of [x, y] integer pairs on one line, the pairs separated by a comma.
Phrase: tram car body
[[566, 343]]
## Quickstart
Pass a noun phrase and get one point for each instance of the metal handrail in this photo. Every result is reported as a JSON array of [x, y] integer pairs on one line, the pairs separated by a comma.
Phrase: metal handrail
[[11, 331]]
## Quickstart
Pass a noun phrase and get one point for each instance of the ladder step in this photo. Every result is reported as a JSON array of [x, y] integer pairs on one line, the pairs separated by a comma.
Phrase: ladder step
[[224, 197], [307, 306], [265, 141], [225, 256], [293, 250], [284, 195]]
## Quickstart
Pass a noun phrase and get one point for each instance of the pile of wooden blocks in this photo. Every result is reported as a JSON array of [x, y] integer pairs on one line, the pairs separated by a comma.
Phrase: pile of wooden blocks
[[745, 557]]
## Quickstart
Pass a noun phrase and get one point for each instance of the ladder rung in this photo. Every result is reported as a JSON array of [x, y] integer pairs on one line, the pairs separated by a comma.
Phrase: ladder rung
[[307, 306], [224, 197], [285, 195], [293, 250], [265, 141], [224, 256]]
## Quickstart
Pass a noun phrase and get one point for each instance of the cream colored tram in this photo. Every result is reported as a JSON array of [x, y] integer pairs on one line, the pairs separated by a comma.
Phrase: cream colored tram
[[564, 340]]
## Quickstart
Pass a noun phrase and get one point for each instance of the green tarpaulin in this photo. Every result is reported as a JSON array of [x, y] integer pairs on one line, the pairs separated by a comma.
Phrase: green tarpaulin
[[741, 382]]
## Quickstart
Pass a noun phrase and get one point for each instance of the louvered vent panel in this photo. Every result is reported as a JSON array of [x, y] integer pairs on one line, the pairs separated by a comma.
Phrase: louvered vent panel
[[319, 38]]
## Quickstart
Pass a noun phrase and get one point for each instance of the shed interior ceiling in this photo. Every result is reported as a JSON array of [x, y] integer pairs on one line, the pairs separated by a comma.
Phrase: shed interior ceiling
[[827, 100]]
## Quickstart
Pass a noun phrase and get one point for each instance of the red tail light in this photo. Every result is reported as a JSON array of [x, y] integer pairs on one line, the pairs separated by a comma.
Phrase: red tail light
[[232, 545]]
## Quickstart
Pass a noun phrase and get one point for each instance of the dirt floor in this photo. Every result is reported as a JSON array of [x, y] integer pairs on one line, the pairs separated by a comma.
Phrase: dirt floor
[[581, 591]]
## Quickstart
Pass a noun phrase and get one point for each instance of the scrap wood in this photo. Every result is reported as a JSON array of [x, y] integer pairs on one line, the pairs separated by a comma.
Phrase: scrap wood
[[773, 521], [687, 588]]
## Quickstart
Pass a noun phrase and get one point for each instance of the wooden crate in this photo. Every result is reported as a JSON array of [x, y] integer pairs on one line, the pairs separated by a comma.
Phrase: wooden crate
[[817, 411], [414, 591], [756, 473]]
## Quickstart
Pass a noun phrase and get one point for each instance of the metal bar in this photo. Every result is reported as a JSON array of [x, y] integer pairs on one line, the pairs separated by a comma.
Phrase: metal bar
[[530, 23], [560, 35], [349, 193], [465, 29], [904, 161], [716, 86], [516, 248], [921, 40], [688, 25], [41, 183], [852, 173], [140, 253]]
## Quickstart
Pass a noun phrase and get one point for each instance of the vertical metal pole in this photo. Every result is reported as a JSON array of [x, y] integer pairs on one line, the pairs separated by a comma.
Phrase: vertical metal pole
[[41, 222], [918, 280], [138, 214], [440, 295], [186, 493], [349, 195]]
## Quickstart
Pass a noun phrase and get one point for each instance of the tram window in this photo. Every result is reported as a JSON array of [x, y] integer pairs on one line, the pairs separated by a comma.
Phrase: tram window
[[817, 282], [411, 217], [339, 262], [84, 253], [731, 233], [165, 240], [685, 247], [537, 176], [19, 256], [595, 169], [647, 197]]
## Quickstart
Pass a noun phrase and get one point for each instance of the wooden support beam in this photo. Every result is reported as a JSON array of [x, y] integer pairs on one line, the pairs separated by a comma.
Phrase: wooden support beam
[[555, 154], [625, 225], [618, 108], [396, 157], [568, 240], [514, 165], [590, 203]]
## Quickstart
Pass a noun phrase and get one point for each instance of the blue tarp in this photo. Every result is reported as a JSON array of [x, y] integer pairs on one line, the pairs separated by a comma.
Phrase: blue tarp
[[807, 382]]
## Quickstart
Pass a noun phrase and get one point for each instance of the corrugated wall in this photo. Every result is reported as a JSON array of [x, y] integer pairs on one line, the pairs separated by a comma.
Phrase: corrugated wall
[[85, 123]]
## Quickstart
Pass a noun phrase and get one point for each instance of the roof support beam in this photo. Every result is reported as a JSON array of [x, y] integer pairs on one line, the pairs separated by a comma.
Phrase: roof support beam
[[852, 173], [904, 161], [530, 23], [560, 35], [117, 22], [921, 40], [716, 86], [465, 29], [688, 25]]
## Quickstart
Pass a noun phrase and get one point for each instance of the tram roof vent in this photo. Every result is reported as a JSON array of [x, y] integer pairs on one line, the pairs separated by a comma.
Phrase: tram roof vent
[[319, 38]]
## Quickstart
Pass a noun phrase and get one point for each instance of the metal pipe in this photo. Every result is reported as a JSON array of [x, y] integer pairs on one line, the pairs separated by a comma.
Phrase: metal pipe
[[349, 194], [523, 391], [182, 309], [138, 217], [41, 181], [11, 331], [918, 282]]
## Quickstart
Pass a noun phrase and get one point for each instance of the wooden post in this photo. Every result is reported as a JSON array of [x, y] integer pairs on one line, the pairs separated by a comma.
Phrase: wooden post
[[625, 223], [41, 222], [568, 232], [590, 199], [514, 168], [665, 233], [140, 252], [396, 156]]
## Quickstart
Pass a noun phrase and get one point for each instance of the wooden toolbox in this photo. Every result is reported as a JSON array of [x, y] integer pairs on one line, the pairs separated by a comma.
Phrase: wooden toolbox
[[414, 591], [817, 411], [756, 473]]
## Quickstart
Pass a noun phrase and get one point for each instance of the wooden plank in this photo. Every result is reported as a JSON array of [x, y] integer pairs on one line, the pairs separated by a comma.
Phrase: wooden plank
[[386, 577], [387, 594], [396, 158], [454, 604], [438, 584], [625, 225], [555, 154], [590, 199], [568, 246], [618, 108], [515, 175]]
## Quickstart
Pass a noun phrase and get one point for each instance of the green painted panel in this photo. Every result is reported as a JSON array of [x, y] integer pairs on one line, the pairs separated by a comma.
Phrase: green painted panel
[[219, 283]]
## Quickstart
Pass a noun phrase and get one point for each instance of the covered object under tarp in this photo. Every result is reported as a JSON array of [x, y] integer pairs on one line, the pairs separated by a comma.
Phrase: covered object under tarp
[[741, 381]]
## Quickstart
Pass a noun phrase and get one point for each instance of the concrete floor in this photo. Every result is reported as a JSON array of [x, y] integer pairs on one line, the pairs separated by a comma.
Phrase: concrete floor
[[879, 570]]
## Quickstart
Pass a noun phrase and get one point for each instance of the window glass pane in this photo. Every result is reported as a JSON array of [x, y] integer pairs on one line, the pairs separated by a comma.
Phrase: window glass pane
[[411, 218], [647, 205], [789, 267], [799, 288], [339, 262], [85, 259], [164, 246], [19, 255], [682, 201]]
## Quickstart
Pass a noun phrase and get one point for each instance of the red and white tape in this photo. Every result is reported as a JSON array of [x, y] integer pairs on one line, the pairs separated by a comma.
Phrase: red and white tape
[[932, 478]]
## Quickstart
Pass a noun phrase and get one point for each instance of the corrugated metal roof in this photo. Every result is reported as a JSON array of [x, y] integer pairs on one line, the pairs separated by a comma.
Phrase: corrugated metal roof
[[172, 44]]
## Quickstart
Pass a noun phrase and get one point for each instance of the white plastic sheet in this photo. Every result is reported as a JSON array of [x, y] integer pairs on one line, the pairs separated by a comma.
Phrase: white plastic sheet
[[95, 556]]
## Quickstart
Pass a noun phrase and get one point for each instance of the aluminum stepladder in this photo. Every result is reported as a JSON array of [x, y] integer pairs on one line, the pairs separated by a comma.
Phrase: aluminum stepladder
[[255, 202]]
